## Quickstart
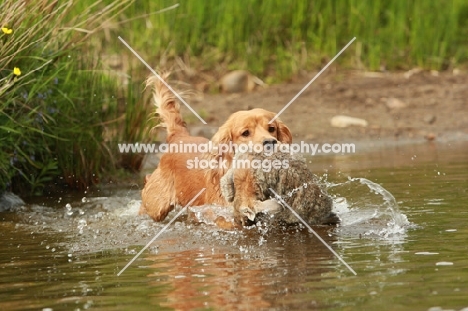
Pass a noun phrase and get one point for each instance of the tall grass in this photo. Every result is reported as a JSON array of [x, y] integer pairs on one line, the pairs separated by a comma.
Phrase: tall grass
[[51, 95], [59, 105], [279, 38]]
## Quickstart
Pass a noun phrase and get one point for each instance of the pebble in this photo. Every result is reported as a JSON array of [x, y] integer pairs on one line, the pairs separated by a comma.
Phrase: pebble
[[395, 103], [345, 121], [411, 72], [9, 200], [430, 118], [430, 136], [239, 81]]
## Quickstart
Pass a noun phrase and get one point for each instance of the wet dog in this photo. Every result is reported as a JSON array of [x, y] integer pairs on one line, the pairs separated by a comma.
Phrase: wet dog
[[177, 180]]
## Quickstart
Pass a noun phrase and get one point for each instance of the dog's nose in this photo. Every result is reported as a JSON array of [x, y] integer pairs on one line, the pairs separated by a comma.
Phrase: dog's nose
[[269, 141]]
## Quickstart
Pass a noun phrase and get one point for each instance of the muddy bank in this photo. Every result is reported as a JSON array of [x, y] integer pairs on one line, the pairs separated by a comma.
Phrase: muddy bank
[[415, 106]]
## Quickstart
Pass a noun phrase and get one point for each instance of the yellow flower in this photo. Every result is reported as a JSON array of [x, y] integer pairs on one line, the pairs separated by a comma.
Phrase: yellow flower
[[16, 71], [7, 30]]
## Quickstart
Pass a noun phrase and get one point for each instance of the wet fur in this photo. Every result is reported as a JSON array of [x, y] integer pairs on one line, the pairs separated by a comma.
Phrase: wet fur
[[172, 183]]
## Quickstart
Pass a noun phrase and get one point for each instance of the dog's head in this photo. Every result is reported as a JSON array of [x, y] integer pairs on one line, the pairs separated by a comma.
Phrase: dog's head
[[251, 127]]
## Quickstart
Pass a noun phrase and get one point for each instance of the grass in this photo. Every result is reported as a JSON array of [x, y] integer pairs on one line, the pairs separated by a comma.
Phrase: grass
[[61, 117], [52, 96], [281, 38]]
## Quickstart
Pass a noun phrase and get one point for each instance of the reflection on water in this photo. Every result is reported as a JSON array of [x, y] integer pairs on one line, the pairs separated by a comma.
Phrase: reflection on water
[[252, 279], [403, 230]]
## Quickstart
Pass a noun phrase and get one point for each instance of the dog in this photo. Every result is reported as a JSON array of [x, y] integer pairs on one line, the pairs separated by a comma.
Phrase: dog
[[175, 182]]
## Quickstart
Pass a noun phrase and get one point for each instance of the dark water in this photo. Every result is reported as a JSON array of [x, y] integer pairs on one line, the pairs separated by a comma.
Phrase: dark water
[[404, 210]]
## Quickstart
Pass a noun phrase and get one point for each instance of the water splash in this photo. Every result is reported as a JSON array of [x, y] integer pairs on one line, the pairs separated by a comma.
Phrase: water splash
[[367, 209], [68, 210], [81, 225]]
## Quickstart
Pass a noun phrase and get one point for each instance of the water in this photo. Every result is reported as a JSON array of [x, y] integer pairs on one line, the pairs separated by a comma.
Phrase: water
[[403, 231]]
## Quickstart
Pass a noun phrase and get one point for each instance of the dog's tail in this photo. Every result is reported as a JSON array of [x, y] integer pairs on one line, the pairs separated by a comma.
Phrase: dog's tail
[[167, 105]]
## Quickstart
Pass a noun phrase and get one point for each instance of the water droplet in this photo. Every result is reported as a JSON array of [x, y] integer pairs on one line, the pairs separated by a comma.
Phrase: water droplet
[[81, 224]]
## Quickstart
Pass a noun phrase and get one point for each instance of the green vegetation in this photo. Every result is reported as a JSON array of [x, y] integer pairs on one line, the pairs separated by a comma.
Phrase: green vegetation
[[52, 98], [62, 109], [279, 38]]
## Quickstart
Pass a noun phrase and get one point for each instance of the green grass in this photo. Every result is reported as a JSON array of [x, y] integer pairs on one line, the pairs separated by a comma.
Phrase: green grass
[[51, 114], [61, 119], [279, 38]]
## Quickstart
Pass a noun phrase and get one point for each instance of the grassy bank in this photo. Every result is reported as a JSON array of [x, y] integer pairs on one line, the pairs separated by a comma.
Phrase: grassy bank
[[279, 38], [68, 86], [54, 98]]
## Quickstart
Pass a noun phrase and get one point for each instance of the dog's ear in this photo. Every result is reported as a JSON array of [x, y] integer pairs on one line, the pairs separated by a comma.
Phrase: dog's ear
[[284, 134], [222, 137]]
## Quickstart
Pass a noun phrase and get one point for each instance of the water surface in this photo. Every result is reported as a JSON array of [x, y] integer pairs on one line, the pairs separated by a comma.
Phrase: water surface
[[404, 210]]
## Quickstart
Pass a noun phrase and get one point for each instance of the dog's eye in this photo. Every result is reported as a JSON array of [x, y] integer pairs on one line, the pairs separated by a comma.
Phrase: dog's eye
[[271, 129], [246, 133]]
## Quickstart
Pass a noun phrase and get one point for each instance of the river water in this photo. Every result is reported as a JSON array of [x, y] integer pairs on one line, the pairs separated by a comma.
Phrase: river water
[[403, 208]]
